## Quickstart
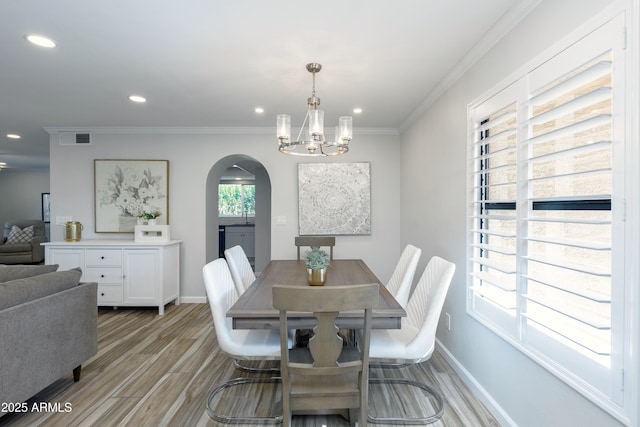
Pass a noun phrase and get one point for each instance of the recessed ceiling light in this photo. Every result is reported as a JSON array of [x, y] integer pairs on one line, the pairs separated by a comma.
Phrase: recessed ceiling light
[[40, 40], [13, 136], [357, 110], [259, 110], [137, 98]]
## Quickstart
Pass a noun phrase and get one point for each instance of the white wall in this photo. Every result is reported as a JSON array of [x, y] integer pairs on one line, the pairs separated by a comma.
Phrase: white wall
[[21, 193], [191, 154], [433, 217]]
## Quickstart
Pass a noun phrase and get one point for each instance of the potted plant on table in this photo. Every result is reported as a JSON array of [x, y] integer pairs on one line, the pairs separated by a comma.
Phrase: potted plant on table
[[317, 261], [149, 216]]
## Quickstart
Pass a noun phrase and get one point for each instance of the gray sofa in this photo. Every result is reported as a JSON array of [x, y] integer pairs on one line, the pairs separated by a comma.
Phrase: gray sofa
[[48, 328], [23, 253]]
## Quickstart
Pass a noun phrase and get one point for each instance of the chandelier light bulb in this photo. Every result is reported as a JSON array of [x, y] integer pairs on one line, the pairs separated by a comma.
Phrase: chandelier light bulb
[[345, 124], [284, 127], [316, 123]]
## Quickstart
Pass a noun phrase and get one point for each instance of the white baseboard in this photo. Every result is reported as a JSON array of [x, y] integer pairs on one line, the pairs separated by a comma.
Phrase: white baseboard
[[487, 400]]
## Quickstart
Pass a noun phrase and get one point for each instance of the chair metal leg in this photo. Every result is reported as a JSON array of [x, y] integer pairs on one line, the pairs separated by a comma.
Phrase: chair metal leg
[[404, 420], [239, 366], [227, 419]]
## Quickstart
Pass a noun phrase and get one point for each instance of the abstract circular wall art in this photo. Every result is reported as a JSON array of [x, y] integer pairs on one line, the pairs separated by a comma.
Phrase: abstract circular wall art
[[334, 198]]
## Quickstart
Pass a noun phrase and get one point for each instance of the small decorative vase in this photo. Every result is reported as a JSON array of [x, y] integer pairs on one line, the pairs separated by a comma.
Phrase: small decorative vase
[[317, 277], [152, 221], [126, 223]]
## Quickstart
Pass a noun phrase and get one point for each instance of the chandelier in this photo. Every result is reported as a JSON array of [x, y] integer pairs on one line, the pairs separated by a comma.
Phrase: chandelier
[[313, 142]]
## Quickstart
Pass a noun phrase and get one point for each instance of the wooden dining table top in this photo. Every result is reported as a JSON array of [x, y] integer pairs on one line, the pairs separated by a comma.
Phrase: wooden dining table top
[[254, 309]]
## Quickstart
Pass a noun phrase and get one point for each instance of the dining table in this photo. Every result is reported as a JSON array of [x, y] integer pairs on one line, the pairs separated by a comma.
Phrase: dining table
[[254, 308]]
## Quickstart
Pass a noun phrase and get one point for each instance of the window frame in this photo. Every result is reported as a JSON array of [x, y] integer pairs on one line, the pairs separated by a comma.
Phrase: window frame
[[242, 186], [620, 404]]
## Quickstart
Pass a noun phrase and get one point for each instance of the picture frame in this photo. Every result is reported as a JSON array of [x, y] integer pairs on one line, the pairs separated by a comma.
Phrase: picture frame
[[124, 189], [46, 207], [334, 198]]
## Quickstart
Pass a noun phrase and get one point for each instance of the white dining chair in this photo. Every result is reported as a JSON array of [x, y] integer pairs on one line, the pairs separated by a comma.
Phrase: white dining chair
[[237, 343], [414, 342], [241, 271], [399, 284]]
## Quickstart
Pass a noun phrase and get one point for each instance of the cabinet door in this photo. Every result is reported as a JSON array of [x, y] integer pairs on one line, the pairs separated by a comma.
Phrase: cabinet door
[[232, 238], [248, 243], [243, 236], [65, 258], [142, 279]]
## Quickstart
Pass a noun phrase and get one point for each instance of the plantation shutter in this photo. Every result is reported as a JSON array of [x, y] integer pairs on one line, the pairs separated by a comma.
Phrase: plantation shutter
[[493, 225], [544, 226], [567, 250]]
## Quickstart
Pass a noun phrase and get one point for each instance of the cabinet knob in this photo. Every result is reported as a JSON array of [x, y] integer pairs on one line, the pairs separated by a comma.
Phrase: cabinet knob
[[102, 294], [101, 257], [102, 275]]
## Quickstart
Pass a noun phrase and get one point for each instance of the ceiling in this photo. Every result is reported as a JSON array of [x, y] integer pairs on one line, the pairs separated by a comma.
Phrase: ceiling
[[205, 63]]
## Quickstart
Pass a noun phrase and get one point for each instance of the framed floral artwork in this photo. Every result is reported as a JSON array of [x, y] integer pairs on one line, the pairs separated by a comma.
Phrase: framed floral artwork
[[128, 189]]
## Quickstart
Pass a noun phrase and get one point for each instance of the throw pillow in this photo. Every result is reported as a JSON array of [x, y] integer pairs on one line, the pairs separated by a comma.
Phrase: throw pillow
[[13, 272], [17, 235]]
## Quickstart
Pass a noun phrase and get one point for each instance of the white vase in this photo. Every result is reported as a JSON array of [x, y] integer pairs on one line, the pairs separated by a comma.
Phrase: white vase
[[126, 223], [152, 221]]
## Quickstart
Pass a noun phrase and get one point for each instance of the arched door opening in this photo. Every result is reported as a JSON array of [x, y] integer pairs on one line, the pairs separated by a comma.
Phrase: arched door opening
[[248, 170]]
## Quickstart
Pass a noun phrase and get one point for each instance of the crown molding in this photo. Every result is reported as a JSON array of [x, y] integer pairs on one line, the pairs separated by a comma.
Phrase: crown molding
[[195, 130], [500, 29]]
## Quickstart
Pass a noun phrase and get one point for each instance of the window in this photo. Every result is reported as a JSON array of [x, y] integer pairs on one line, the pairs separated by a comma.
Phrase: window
[[545, 264], [236, 200]]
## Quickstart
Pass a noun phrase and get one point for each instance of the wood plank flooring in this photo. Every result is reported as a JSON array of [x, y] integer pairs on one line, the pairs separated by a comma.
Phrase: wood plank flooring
[[155, 370]]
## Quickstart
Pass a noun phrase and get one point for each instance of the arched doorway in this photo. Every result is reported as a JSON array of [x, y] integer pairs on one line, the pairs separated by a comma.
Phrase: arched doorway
[[262, 207]]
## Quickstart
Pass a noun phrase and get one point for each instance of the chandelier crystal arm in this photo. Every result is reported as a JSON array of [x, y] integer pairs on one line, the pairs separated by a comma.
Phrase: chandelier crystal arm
[[304, 122]]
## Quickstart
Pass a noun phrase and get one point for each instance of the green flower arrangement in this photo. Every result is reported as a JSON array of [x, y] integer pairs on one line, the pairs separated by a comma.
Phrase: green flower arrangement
[[316, 258], [149, 215]]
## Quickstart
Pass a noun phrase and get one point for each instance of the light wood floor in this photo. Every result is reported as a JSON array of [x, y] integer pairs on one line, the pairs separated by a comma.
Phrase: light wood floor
[[155, 370]]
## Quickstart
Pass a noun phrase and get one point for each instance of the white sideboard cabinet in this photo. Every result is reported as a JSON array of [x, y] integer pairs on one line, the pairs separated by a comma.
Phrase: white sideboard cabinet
[[128, 273]]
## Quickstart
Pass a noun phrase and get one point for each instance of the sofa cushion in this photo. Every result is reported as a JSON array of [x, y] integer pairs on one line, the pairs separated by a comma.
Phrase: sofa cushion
[[13, 272], [15, 248], [18, 291], [18, 235]]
